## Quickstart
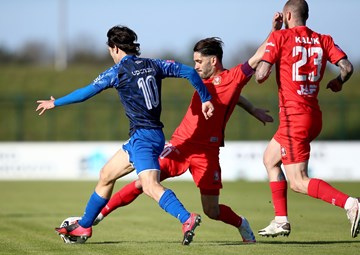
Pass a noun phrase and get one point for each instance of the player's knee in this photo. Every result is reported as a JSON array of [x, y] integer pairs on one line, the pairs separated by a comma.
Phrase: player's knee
[[151, 190], [147, 190], [297, 187], [105, 177], [212, 212], [267, 162]]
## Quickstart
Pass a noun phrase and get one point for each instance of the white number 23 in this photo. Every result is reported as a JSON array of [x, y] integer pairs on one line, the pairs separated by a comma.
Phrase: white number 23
[[315, 67]]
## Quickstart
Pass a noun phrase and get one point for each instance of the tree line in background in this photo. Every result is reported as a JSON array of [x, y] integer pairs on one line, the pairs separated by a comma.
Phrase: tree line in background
[[37, 53], [41, 54]]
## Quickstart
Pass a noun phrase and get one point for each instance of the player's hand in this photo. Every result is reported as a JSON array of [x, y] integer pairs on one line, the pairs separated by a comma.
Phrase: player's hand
[[335, 85], [45, 105], [261, 114], [277, 21], [207, 109]]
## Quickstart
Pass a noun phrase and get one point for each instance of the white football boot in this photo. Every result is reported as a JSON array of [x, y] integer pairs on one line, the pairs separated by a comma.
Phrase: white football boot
[[276, 229]]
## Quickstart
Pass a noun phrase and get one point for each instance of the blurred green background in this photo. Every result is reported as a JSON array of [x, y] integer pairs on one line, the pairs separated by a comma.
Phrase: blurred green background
[[102, 117]]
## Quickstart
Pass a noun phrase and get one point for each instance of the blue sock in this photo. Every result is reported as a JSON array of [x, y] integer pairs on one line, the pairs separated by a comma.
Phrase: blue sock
[[93, 208], [170, 204]]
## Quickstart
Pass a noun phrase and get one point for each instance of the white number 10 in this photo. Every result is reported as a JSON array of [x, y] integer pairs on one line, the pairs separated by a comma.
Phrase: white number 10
[[150, 91], [305, 54]]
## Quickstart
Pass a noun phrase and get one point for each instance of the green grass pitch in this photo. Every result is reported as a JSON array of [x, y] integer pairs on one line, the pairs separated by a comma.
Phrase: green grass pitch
[[29, 212]]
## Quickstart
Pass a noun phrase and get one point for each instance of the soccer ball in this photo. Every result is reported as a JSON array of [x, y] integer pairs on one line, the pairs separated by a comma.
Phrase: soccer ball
[[71, 239]]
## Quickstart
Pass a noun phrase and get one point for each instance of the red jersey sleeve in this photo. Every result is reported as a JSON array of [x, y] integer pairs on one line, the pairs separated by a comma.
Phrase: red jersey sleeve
[[272, 47], [335, 53]]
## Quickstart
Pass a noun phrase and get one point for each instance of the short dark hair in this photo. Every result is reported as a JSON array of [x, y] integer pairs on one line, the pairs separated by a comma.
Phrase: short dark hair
[[300, 8], [210, 47], [124, 38]]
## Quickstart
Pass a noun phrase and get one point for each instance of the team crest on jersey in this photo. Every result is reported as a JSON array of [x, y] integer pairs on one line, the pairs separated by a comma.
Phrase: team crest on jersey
[[217, 80]]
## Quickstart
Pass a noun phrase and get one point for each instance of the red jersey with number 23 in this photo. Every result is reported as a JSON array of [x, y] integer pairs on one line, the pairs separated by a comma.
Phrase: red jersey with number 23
[[300, 55]]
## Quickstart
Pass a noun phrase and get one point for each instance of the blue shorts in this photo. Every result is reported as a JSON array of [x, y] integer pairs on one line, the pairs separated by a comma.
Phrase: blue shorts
[[144, 148]]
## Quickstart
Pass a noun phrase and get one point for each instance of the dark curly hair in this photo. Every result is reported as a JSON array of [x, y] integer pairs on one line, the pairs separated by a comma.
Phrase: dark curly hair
[[124, 38], [210, 47]]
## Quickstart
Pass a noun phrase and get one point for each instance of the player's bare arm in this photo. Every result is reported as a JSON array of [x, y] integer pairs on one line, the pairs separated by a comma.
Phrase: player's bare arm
[[263, 71], [276, 25], [346, 70], [260, 114], [45, 105]]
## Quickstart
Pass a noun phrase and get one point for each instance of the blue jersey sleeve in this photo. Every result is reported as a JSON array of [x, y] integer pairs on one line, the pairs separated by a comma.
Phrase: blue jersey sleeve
[[194, 78], [105, 80], [176, 69], [78, 95]]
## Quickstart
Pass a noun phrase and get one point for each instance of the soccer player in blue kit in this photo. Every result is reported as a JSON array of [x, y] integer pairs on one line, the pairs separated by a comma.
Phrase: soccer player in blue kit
[[138, 82]]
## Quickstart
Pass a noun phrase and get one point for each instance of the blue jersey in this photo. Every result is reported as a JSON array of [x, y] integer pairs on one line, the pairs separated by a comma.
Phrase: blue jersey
[[138, 82]]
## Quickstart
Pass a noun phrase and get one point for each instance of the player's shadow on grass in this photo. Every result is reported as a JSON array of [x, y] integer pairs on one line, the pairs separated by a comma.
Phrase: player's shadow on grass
[[134, 242], [230, 243], [291, 242]]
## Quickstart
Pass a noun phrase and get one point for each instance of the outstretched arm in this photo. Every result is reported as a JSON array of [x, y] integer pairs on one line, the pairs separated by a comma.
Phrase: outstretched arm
[[103, 81], [258, 113], [76, 96], [346, 70], [276, 25]]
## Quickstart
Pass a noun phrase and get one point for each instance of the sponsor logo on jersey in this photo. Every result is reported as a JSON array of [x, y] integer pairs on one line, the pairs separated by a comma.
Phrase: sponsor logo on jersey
[[271, 44], [307, 90], [143, 71]]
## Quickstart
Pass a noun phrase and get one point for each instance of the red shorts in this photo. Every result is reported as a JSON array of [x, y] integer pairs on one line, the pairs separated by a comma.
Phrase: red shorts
[[294, 135], [202, 162]]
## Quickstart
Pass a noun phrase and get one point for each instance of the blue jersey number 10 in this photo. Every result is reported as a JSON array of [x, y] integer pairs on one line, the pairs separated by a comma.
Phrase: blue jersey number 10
[[150, 91]]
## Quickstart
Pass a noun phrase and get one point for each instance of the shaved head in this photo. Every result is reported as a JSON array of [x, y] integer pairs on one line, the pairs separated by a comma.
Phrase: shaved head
[[299, 8]]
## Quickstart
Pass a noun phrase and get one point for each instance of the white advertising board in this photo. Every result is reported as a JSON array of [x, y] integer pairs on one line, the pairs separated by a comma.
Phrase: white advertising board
[[239, 160], [328, 160]]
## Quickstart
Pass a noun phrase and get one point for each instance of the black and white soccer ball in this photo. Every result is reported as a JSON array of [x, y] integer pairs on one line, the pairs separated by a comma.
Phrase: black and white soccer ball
[[71, 239]]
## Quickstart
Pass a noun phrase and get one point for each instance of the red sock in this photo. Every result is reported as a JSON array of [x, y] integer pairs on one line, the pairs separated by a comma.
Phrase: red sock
[[322, 190], [279, 197], [121, 198], [228, 216]]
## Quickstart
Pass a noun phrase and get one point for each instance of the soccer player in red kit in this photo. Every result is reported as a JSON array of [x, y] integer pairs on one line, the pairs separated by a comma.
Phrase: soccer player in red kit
[[195, 144], [300, 56]]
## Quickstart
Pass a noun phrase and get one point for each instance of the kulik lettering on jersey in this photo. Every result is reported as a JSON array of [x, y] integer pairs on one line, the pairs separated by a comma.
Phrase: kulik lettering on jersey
[[306, 40], [142, 71], [307, 90]]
